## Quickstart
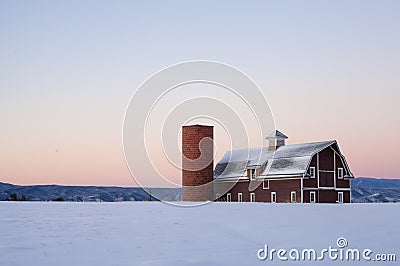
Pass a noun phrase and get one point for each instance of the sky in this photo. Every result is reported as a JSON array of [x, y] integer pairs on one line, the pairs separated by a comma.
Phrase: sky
[[329, 70]]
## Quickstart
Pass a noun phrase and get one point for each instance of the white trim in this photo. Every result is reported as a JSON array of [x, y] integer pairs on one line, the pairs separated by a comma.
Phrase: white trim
[[291, 197], [252, 197], [265, 187], [310, 188], [340, 195], [240, 197], [344, 162], [328, 188], [259, 178], [273, 197], [324, 188], [343, 188], [228, 197], [334, 168], [337, 146], [301, 191], [280, 177], [326, 171], [318, 169], [343, 159], [312, 193], [231, 179]]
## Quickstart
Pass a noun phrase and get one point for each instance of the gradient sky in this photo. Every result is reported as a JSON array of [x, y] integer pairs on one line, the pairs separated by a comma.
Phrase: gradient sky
[[329, 69]]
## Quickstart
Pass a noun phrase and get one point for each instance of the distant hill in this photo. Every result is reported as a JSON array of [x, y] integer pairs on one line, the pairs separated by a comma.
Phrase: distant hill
[[363, 190], [365, 182], [87, 193]]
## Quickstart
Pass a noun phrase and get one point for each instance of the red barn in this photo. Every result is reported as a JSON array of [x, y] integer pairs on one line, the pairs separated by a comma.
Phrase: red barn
[[309, 172]]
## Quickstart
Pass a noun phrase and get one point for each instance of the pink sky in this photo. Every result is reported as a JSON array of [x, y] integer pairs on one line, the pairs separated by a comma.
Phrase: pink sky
[[328, 70]]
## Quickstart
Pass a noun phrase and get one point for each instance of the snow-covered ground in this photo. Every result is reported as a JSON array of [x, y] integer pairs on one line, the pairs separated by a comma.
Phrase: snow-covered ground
[[153, 233]]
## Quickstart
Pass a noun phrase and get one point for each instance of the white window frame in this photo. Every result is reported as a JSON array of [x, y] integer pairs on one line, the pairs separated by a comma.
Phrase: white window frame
[[340, 173], [240, 197], [293, 198], [312, 169], [252, 174], [312, 193], [265, 186], [228, 197], [253, 197], [273, 197], [340, 197]]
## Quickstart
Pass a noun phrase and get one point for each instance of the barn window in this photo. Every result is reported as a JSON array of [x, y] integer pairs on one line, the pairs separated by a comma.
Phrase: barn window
[[340, 173], [240, 197], [293, 196], [252, 174], [228, 197], [340, 197], [312, 196], [312, 172], [265, 184], [252, 197], [273, 197]]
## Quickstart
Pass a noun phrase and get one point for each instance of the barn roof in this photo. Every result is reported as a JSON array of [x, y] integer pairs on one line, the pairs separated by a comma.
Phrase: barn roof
[[286, 160]]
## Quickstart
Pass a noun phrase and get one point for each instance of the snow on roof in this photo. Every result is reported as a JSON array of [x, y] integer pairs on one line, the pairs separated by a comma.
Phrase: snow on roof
[[304, 149], [286, 166], [286, 160]]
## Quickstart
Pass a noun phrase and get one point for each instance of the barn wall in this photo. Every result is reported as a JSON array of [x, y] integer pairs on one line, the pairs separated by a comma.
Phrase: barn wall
[[312, 182], [327, 196], [306, 195], [282, 187], [326, 179], [326, 171], [331, 196], [341, 183], [326, 159]]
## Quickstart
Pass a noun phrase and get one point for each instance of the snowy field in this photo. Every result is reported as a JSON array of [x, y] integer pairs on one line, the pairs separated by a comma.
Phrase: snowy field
[[153, 233]]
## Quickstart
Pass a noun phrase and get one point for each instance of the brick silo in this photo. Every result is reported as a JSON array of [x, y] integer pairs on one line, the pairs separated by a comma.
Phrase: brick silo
[[197, 163]]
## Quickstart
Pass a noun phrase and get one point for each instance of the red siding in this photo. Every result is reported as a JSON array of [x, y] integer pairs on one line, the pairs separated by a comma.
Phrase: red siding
[[326, 196], [331, 196], [312, 182], [341, 183], [326, 159], [306, 196], [282, 187], [326, 179]]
